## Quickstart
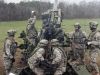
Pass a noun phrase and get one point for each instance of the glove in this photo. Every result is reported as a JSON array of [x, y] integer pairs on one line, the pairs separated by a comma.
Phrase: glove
[[16, 43], [89, 43], [13, 59]]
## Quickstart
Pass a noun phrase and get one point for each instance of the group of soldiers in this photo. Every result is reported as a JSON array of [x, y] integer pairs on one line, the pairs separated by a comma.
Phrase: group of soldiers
[[57, 59], [80, 40]]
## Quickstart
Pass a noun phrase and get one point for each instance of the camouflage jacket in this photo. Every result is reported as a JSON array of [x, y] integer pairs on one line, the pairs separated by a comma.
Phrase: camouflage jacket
[[94, 38], [31, 30], [58, 56], [78, 39], [9, 48], [37, 56]]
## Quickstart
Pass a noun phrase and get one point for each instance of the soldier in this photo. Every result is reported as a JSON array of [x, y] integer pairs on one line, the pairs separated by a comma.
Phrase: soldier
[[94, 43], [78, 45], [9, 51], [59, 58], [38, 56], [60, 35], [32, 32]]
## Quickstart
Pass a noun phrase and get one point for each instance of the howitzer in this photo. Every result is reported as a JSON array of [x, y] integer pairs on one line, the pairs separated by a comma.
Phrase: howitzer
[[53, 16]]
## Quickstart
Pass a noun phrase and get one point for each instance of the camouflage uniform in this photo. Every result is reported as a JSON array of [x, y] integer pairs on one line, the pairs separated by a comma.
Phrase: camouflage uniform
[[94, 42], [33, 61], [78, 45], [32, 33], [59, 35], [9, 51], [58, 58]]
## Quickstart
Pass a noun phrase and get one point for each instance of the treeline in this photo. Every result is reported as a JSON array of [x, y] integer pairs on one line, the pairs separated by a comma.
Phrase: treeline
[[22, 10]]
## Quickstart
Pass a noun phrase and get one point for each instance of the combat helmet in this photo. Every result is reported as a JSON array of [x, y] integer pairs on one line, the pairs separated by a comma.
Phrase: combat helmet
[[77, 25], [54, 42], [43, 42], [93, 24], [11, 32]]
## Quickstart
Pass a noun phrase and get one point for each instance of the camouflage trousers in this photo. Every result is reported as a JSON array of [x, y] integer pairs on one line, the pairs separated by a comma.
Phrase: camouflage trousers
[[79, 54], [33, 44], [93, 59], [8, 65]]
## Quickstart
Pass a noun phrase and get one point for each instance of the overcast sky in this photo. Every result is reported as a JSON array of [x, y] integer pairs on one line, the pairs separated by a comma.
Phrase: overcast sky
[[70, 1]]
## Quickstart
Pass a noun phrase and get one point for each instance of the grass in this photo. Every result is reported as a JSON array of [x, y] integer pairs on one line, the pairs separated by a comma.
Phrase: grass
[[67, 26]]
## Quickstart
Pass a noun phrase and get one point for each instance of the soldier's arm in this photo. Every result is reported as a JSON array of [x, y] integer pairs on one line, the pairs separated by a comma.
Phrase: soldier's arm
[[72, 39], [40, 54], [8, 49], [34, 20], [34, 17], [97, 41], [85, 35], [57, 55], [72, 35]]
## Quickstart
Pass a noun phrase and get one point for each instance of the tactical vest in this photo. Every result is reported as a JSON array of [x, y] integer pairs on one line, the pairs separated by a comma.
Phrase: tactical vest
[[12, 46], [78, 37], [36, 49], [63, 54], [90, 38]]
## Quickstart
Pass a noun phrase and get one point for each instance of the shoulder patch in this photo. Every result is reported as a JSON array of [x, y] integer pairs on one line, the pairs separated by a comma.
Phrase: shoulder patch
[[8, 42]]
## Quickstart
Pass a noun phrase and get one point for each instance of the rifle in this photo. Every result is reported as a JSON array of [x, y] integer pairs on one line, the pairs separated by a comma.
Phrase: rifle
[[45, 63], [86, 44]]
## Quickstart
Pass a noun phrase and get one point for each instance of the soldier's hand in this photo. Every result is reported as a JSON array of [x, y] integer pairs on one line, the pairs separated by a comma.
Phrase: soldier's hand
[[13, 59], [34, 13], [89, 43]]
